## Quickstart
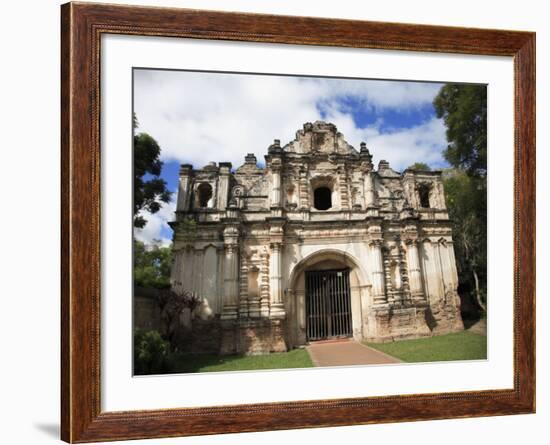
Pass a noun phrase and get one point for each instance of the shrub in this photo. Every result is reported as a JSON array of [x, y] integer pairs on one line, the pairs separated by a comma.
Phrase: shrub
[[151, 353]]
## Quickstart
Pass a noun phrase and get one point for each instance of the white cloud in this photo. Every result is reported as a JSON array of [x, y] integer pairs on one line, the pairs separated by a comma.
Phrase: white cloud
[[401, 147], [201, 117], [152, 232], [404, 147]]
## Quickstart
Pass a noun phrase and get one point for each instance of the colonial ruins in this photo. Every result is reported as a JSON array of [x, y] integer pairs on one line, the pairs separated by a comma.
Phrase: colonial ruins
[[317, 244]]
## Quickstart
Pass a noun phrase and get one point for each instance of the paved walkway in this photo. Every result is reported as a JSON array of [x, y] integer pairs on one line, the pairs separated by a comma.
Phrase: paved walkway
[[346, 352]]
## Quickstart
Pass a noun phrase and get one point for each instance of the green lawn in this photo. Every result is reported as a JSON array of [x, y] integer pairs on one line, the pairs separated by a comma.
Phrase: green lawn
[[297, 358], [458, 346]]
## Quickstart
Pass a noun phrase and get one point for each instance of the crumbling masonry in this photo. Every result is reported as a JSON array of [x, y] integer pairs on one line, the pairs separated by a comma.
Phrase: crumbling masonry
[[316, 244]]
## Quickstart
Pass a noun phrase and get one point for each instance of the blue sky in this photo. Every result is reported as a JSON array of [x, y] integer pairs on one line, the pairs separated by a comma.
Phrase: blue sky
[[200, 117]]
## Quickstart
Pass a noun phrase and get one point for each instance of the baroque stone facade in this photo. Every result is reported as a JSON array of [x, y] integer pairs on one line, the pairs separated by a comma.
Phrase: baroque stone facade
[[316, 244]]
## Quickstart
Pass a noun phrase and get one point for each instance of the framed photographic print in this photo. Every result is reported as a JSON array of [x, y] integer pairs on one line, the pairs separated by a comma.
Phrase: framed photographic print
[[279, 222]]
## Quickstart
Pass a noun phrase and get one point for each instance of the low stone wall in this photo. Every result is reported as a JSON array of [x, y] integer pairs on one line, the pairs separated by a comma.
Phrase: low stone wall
[[252, 337], [399, 324], [146, 310], [201, 337], [226, 337]]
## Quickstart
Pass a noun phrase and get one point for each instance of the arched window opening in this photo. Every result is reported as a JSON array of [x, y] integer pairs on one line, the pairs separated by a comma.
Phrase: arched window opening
[[204, 191], [424, 194], [322, 198]]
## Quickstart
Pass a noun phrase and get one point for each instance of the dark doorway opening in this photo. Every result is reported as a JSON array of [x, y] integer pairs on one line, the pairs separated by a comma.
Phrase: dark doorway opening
[[328, 304], [322, 198]]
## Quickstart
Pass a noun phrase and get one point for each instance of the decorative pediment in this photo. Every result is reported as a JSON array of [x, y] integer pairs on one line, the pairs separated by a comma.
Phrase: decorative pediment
[[319, 137]]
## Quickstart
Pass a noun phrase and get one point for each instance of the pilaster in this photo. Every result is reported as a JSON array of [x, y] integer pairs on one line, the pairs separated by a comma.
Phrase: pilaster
[[182, 204], [277, 309], [243, 288], [223, 185], [231, 273], [410, 237], [304, 190], [378, 276], [415, 273], [264, 284]]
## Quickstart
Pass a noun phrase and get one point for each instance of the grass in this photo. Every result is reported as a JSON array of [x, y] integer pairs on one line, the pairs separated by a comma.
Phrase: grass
[[458, 346], [297, 358]]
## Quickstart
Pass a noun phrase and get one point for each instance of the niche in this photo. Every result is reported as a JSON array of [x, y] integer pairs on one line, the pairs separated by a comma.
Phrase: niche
[[424, 195], [204, 194], [322, 198], [253, 287]]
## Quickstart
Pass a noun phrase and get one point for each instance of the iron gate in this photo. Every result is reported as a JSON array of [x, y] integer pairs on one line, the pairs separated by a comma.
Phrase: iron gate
[[328, 305]]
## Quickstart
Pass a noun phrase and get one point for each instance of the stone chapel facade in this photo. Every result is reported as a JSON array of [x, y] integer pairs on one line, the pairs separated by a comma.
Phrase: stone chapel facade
[[315, 245]]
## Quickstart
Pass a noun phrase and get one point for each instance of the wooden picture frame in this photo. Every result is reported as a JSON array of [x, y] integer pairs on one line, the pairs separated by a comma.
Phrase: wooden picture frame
[[82, 26]]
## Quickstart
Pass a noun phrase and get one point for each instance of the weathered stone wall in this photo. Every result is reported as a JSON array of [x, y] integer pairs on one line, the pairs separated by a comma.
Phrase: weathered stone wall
[[259, 232], [146, 312], [200, 337], [253, 337]]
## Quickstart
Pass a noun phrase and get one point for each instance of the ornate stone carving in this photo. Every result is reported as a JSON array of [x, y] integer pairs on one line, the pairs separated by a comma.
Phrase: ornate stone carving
[[262, 223]]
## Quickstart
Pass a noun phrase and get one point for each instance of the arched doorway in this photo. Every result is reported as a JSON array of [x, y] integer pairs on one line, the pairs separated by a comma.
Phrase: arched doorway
[[328, 304], [328, 294]]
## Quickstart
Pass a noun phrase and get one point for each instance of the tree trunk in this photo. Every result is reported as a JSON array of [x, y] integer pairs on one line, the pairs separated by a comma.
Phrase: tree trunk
[[478, 295]]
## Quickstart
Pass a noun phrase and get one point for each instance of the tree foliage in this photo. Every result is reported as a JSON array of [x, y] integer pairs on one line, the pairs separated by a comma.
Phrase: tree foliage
[[422, 166], [464, 111], [463, 108], [172, 302], [151, 353], [467, 203], [149, 188], [152, 265]]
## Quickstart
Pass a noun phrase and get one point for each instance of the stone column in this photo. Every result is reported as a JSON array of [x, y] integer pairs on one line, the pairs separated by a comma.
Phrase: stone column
[[264, 284], [223, 185], [440, 196], [415, 274], [447, 273], [199, 271], [220, 257], [243, 288], [377, 265], [275, 186], [304, 190], [187, 274], [369, 190], [452, 263], [277, 307], [231, 274], [344, 195], [175, 268], [439, 271], [454, 278], [182, 204], [193, 282]]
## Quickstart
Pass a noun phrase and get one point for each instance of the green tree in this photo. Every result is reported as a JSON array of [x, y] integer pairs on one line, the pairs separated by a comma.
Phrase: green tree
[[463, 108], [151, 353], [149, 189], [152, 265], [171, 303], [422, 166], [468, 212]]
